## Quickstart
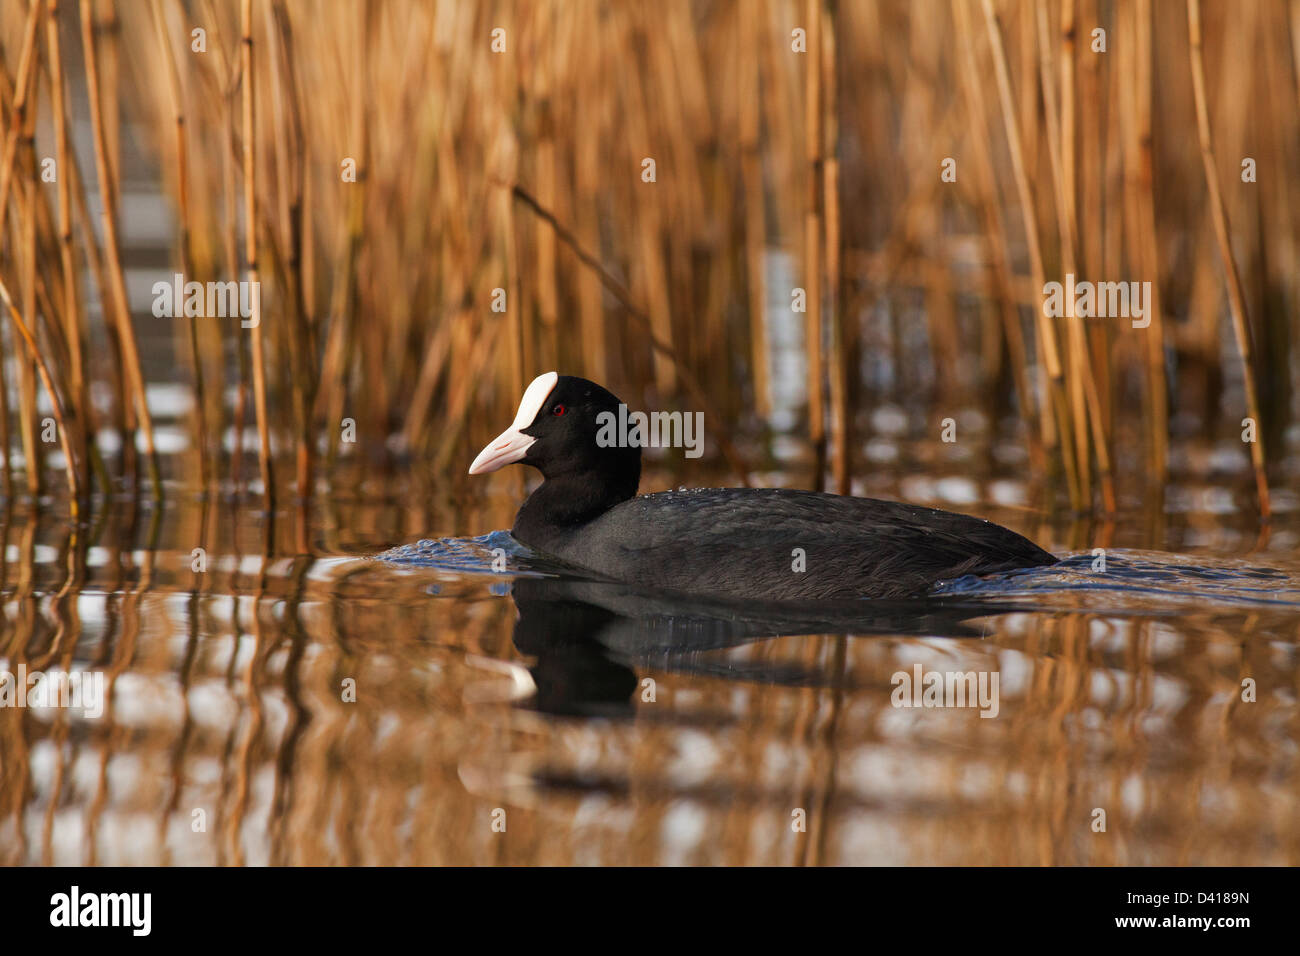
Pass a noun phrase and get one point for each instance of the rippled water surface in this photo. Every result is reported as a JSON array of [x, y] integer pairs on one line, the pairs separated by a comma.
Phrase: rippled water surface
[[323, 699]]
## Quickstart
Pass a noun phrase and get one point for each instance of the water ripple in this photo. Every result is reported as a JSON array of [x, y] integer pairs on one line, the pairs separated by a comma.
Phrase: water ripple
[[1138, 580]]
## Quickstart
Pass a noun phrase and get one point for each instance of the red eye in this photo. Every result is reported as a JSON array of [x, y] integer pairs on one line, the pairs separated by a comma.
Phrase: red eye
[[557, 410]]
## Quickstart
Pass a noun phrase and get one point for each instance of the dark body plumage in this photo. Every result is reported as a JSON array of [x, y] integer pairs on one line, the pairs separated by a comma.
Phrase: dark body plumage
[[772, 544], [742, 542]]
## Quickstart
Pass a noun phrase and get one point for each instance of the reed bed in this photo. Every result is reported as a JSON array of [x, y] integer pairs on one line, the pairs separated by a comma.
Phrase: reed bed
[[435, 212]]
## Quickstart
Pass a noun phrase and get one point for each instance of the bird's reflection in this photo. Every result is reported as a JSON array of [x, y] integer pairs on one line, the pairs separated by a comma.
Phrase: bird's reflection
[[588, 637]]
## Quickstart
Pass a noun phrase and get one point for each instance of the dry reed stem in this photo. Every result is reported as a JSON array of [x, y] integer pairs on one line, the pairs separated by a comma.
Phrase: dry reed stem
[[1046, 333], [751, 171], [56, 403], [332, 393], [812, 244], [1085, 398], [1072, 433], [72, 171], [431, 372], [1068, 225], [18, 115], [71, 305], [653, 274], [1219, 213], [1295, 47], [290, 174], [994, 226], [1147, 245], [4, 427], [109, 28], [841, 414], [249, 146], [24, 229], [1084, 392], [186, 254], [120, 306]]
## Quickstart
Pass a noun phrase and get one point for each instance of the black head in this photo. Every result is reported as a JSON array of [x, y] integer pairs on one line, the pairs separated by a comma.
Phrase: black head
[[556, 430]]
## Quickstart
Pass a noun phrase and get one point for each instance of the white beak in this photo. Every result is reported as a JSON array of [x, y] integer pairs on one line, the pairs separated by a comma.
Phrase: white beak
[[512, 444], [509, 446]]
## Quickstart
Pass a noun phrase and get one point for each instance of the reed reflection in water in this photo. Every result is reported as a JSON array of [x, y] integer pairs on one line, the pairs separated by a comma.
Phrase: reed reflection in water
[[484, 697]]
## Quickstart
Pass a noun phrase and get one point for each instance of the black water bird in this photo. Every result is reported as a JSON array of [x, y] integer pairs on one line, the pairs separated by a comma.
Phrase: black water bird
[[773, 544]]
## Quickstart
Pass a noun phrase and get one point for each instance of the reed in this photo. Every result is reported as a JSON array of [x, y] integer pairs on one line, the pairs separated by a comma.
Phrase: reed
[[1219, 216], [1049, 353], [775, 168], [841, 416], [751, 169], [814, 238], [47, 380], [25, 233], [18, 107], [72, 331], [1143, 227], [993, 227], [186, 257], [119, 305], [248, 81]]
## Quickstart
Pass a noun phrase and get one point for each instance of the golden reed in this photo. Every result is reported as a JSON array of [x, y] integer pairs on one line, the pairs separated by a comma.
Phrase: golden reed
[[390, 171]]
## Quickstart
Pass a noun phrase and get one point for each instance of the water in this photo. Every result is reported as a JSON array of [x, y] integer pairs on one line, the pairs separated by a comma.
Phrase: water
[[328, 700]]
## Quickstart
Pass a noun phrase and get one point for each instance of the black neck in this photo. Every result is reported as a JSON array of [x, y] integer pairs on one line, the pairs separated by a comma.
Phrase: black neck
[[566, 501]]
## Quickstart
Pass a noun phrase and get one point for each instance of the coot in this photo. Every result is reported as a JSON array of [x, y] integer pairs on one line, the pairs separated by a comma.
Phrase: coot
[[773, 543]]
